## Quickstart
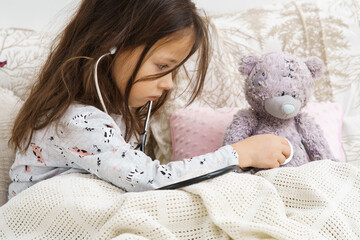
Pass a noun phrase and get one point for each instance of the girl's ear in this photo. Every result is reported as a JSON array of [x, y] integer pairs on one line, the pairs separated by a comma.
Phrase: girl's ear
[[316, 66], [247, 64]]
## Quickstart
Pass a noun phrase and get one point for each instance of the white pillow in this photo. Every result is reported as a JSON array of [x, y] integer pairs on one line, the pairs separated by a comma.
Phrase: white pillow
[[9, 107]]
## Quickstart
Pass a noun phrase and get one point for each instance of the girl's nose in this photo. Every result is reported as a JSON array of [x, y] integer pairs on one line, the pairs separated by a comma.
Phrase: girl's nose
[[166, 82]]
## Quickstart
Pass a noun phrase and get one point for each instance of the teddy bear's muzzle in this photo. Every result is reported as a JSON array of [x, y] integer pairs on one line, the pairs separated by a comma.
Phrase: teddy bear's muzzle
[[283, 107]]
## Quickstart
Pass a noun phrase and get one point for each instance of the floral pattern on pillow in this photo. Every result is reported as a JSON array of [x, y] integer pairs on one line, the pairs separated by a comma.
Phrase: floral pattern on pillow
[[25, 52]]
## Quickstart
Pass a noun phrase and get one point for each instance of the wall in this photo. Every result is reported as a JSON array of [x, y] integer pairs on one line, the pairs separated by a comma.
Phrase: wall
[[35, 14], [221, 6], [50, 15]]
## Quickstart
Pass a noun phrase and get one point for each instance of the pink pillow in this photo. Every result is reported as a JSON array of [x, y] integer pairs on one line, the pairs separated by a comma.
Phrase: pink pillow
[[196, 131]]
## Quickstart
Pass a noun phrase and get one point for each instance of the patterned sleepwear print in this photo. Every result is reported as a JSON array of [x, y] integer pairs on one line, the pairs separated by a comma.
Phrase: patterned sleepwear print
[[90, 141]]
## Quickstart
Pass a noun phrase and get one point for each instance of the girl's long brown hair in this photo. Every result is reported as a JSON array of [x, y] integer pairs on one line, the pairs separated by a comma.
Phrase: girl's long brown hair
[[67, 75]]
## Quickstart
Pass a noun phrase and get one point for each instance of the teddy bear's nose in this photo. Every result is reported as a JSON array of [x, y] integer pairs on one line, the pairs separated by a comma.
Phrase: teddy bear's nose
[[288, 108]]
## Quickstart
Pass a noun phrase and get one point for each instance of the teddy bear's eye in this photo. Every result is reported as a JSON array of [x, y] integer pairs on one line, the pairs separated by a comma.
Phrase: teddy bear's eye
[[293, 94], [282, 93]]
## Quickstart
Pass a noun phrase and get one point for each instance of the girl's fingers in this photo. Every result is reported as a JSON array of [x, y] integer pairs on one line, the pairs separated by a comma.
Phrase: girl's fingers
[[281, 159], [285, 148], [283, 141], [286, 151]]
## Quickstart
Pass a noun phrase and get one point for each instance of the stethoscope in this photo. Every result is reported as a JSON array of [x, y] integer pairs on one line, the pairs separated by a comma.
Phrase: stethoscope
[[183, 183], [112, 51]]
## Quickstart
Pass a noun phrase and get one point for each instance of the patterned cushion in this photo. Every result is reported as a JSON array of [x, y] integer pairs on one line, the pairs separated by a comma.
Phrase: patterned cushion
[[329, 29], [24, 51]]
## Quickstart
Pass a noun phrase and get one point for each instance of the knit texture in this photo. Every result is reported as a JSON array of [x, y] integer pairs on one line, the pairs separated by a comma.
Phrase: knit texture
[[319, 200]]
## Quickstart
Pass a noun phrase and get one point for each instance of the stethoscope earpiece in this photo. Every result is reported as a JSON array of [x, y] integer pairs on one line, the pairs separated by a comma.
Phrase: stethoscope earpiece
[[112, 50]]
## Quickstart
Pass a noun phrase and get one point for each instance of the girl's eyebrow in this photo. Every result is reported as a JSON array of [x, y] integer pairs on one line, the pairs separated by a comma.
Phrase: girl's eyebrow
[[172, 60], [169, 59]]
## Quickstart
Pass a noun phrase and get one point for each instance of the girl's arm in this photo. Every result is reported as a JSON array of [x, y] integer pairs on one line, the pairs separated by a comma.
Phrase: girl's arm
[[94, 142]]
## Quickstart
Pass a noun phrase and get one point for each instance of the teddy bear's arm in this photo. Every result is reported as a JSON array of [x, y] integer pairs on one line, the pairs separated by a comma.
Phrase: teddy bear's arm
[[242, 126], [313, 139]]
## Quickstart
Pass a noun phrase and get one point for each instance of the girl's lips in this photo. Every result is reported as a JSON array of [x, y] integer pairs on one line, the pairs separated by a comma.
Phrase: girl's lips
[[153, 98]]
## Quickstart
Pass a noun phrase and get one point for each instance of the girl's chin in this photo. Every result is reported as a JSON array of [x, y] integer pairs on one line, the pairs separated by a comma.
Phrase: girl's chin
[[138, 104]]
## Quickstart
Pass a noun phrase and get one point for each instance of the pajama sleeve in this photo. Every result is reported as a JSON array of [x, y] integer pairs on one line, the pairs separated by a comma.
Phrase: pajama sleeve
[[94, 142]]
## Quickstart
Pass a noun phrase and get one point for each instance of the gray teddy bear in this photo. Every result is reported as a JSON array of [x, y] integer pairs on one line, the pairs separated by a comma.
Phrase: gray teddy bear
[[278, 85]]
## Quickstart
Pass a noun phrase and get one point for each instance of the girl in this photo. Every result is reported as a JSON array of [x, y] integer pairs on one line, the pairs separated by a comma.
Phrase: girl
[[65, 126]]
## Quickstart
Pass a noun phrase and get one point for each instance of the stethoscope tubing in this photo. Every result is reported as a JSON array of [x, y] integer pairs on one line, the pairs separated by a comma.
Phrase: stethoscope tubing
[[143, 140], [200, 178], [111, 52], [97, 81]]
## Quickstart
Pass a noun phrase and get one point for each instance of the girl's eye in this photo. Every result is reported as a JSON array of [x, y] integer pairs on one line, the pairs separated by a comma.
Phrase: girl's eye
[[161, 66]]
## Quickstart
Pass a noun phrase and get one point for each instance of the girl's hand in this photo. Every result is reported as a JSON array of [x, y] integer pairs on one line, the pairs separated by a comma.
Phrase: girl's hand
[[262, 151]]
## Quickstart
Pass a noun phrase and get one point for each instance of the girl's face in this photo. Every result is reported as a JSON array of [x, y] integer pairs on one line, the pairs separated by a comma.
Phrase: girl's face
[[163, 56]]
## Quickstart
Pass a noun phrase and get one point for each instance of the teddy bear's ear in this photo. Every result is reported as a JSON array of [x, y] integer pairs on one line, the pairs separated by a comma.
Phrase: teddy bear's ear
[[247, 64], [316, 66]]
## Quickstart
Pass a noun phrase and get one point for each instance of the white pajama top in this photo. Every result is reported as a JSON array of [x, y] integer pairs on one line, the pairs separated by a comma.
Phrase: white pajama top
[[90, 141]]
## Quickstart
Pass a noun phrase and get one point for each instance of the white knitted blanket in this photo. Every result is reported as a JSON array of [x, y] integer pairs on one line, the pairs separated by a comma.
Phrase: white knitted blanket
[[319, 200]]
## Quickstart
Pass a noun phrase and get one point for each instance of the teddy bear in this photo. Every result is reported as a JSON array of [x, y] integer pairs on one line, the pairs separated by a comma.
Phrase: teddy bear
[[278, 86]]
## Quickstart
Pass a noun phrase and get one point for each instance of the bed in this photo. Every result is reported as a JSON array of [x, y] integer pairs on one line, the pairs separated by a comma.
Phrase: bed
[[319, 200]]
